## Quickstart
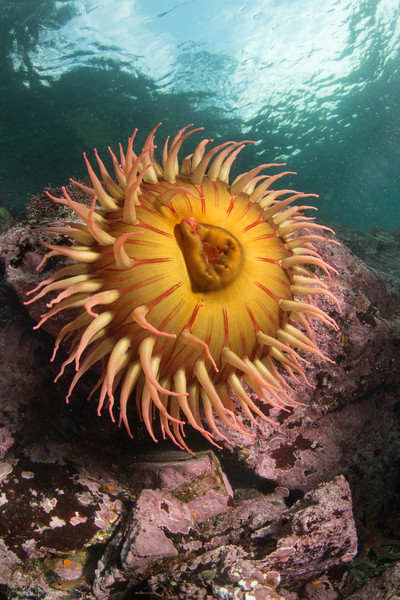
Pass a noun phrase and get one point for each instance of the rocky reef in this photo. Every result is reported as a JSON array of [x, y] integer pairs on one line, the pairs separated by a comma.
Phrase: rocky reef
[[86, 512]]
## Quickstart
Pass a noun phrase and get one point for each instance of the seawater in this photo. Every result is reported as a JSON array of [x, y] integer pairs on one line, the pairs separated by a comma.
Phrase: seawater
[[315, 82]]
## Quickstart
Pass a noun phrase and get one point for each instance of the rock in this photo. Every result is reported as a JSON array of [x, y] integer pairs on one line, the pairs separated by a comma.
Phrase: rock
[[192, 492], [21, 256], [225, 572], [384, 587], [56, 511], [21, 375], [248, 542], [91, 497], [200, 482], [376, 248]]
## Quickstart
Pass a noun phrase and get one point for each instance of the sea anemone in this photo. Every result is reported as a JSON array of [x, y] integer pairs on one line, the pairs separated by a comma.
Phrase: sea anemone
[[187, 287]]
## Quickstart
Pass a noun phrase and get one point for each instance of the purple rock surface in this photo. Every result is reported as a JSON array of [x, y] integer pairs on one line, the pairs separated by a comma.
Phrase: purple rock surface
[[86, 512]]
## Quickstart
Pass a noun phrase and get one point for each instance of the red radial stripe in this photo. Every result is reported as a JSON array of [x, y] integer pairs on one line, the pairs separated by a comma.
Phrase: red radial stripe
[[266, 236], [252, 317], [231, 205], [258, 221], [138, 284], [192, 319], [267, 291], [170, 315], [168, 292], [268, 314], [155, 229]]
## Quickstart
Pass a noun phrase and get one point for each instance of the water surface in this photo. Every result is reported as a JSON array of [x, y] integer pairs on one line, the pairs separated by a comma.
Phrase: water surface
[[315, 82]]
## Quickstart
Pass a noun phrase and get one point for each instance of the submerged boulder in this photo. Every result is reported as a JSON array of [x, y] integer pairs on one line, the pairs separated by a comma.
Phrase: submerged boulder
[[86, 508]]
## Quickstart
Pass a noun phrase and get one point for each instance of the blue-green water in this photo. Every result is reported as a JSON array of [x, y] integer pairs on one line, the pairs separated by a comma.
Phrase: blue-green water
[[315, 82]]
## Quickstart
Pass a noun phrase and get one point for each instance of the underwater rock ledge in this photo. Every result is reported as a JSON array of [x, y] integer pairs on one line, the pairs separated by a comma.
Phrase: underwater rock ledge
[[81, 513]]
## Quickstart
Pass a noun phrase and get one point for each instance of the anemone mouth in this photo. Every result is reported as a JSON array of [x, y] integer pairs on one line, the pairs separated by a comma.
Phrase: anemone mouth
[[188, 287], [213, 256]]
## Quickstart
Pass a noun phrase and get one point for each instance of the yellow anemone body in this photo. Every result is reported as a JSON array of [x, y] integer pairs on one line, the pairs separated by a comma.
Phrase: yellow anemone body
[[160, 278]]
